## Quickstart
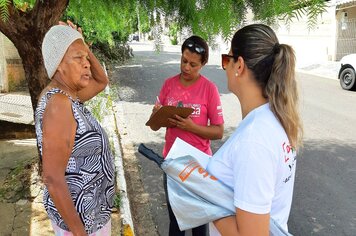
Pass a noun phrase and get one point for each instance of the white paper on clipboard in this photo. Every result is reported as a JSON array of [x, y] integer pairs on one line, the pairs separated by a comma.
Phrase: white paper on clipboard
[[181, 148]]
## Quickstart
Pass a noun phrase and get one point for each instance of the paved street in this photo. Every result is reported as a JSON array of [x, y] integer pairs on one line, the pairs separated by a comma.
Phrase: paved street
[[325, 193], [324, 199]]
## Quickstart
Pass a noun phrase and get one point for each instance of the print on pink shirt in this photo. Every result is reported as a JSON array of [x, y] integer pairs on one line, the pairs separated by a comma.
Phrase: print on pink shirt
[[204, 98], [197, 110]]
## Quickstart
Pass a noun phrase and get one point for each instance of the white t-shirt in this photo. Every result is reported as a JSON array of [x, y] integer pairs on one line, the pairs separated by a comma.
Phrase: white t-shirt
[[258, 162]]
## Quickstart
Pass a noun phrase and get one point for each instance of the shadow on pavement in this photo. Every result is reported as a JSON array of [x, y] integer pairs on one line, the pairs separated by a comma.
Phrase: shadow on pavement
[[20, 193], [321, 192]]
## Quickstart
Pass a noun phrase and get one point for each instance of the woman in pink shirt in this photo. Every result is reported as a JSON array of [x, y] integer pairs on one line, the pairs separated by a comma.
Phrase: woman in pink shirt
[[191, 89]]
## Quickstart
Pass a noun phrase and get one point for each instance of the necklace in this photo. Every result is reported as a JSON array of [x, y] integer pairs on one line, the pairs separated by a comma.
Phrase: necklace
[[62, 86]]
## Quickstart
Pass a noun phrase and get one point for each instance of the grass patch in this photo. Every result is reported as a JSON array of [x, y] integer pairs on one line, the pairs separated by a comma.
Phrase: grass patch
[[117, 200]]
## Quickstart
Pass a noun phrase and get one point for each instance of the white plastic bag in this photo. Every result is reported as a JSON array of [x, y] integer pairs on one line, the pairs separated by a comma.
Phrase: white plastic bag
[[195, 196]]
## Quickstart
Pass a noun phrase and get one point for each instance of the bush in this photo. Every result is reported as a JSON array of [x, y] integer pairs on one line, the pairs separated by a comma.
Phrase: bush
[[118, 54], [174, 41]]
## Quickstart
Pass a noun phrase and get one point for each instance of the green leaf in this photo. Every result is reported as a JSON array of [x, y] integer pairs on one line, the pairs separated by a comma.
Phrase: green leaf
[[112, 21], [4, 12]]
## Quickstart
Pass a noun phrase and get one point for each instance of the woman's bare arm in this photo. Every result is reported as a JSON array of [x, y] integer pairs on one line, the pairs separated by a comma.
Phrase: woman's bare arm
[[244, 224]]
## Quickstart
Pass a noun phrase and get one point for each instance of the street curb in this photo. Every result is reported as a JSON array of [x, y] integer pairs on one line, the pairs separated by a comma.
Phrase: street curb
[[127, 224], [109, 122]]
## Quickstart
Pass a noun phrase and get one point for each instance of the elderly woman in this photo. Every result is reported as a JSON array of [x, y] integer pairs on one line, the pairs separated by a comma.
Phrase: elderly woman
[[77, 164]]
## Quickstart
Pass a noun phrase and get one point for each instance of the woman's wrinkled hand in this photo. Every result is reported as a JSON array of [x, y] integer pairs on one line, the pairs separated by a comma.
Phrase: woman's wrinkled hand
[[74, 26], [71, 24]]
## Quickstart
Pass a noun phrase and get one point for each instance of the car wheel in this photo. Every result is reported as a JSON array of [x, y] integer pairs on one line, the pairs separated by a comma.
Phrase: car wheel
[[347, 78]]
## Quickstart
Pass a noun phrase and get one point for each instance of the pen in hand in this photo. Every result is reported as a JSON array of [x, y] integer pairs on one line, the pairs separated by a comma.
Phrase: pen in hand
[[158, 102], [157, 105]]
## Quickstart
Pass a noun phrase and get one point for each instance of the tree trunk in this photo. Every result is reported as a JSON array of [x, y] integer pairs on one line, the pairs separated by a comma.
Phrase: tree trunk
[[36, 75], [26, 30]]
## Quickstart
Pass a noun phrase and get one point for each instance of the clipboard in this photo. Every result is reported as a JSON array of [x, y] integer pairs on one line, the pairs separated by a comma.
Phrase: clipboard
[[160, 118]]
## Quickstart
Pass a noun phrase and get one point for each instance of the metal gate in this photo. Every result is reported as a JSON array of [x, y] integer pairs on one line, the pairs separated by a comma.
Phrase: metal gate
[[346, 38]]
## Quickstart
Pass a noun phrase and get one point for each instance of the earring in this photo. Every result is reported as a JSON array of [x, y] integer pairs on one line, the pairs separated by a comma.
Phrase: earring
[[236, 74]]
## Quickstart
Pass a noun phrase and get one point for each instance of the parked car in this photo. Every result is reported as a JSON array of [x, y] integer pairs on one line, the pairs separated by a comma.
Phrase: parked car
[[136, 38], [347, 75], [133, 37]]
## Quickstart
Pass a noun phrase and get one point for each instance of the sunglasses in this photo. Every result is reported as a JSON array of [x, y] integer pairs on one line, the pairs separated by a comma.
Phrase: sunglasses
[[225, 59], [196, 47]]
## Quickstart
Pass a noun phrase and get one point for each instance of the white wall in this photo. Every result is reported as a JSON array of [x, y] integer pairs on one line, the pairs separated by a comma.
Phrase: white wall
[[311, 46]]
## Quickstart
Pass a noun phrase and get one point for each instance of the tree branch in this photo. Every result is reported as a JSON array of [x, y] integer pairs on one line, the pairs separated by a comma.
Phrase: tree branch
[[48, 13], [38, 20], [306, 3], [7, 27]]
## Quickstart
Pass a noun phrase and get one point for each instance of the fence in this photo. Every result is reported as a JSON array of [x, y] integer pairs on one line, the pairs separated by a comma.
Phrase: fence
[[346, 38]]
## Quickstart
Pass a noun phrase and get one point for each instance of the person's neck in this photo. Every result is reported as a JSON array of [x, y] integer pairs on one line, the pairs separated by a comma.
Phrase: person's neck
[[245, 110], [57, 82], [187, 83], [251, 100]]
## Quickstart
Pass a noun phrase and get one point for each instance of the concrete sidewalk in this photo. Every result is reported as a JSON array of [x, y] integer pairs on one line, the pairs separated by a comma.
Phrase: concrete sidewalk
[[329, 69], [21, 208]]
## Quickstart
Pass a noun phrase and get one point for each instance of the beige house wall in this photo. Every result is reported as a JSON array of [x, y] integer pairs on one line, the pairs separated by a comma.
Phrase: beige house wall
[[3, 73], [12, 75], [11, 51], [347, 7]]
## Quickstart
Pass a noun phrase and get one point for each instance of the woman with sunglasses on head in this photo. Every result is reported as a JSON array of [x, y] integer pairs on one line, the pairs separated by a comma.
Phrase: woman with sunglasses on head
[[258, 161], [191, 89]]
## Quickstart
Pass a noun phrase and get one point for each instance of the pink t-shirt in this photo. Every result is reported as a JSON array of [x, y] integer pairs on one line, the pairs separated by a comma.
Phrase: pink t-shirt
[[204, 97]]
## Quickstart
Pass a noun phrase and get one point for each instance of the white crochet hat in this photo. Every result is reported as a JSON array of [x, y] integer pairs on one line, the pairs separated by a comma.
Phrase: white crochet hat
[[55, 44]]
